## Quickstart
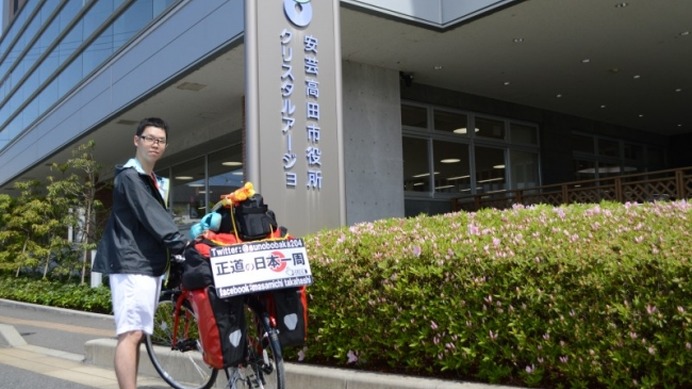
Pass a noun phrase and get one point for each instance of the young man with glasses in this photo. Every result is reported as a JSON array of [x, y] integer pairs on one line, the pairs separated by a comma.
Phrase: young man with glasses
[[138, 239]]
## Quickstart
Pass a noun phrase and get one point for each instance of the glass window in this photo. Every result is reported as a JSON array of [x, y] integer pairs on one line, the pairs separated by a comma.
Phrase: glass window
[[48, 96], [160, 5], [69, 11], [97, 15], [188, 191], [48, 66], [608, 148], [225, 172], [70, 42], [634, 152], [416, 169], [582, 143], [524, 168], [30, 113], [451, 166], [193, 193], [412, 116], [584, 170], [608, 169], [443, 167], [656, 157], [455, 123], [525, 134], [134, 19], [490, 169], [98, 50], [70, 76], [490, 128]]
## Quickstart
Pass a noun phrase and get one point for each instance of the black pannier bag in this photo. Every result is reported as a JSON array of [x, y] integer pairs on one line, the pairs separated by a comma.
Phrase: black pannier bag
[[289, 307], [221, 325], [253, 219]]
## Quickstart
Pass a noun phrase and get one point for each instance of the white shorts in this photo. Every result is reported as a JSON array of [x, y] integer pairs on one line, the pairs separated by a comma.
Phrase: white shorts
[[134, 297]]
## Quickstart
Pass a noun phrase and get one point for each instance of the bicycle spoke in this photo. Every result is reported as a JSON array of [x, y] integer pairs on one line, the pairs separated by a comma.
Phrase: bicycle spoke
[[174, 349]]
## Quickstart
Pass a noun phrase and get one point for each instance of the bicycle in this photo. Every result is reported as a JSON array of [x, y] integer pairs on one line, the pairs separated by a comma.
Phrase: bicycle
[[176, 351], [175, 348]]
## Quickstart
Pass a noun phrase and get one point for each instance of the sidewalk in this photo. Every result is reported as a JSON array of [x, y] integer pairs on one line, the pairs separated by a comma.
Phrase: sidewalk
[[95, 367], [60, 364]]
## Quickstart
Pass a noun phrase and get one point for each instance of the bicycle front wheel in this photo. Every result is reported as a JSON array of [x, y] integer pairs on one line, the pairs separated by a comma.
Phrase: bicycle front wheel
[[174, 347], [265, 365]]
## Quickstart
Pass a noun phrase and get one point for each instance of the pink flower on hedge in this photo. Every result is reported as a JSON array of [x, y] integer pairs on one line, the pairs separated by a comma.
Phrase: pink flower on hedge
[[417, 251], [433, 325], [352, 357], [530, 369], [474, 230], [301, 354]]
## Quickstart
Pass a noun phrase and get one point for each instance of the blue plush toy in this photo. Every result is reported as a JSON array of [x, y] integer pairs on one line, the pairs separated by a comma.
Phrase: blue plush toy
[[210, 221]]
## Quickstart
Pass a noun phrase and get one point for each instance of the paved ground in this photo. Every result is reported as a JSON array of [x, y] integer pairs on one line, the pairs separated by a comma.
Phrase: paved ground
[[44, 347]]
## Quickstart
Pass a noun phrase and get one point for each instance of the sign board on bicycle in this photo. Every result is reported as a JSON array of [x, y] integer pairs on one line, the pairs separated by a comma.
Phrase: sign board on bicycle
[[260, 266]]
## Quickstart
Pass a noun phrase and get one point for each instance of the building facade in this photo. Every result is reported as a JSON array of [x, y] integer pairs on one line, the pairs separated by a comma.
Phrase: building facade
[[438, 99]]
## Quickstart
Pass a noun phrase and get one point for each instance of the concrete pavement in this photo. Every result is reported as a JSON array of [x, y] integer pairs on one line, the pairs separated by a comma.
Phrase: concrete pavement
[[94, 368], [60, 365]]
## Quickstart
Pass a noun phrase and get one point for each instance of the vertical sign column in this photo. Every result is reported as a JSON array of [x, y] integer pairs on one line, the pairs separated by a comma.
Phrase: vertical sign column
[[293, 110]]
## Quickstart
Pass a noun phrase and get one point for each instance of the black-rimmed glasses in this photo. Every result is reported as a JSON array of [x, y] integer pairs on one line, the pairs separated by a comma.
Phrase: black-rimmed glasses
[[150, 140]]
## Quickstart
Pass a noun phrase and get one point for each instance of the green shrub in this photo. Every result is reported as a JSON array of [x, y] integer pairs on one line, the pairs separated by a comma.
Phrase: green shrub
[[575, 296], [56, 294]]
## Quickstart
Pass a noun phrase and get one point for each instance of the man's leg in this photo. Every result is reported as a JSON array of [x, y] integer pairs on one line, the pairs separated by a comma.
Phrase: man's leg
[[127, 359]]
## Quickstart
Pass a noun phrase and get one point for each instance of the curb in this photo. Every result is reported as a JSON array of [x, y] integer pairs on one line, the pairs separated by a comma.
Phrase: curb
[[100, 353]]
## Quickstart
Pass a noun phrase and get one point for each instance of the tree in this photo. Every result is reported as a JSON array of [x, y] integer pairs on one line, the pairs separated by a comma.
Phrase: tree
[[6, 234], [25, 226], [79, 184]]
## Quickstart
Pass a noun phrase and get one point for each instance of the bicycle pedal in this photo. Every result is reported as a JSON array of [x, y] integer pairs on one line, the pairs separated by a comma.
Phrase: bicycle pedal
[[187, 345]]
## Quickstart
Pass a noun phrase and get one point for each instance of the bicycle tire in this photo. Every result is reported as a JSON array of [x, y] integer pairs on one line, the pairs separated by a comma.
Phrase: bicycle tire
[[265, 365], [181, 364]]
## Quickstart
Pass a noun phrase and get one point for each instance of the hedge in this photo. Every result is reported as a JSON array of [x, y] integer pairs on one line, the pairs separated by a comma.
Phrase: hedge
[[577, 296]]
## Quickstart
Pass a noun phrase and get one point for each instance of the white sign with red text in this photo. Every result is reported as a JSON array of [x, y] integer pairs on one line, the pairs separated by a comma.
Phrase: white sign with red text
[[259, 266]]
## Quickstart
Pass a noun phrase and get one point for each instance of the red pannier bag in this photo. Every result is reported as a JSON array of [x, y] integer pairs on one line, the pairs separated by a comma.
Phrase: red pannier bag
[[289, 307], [221, 324]]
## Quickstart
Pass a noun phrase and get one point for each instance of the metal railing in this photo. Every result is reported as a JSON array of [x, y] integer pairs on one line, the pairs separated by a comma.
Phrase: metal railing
[[641, 187]]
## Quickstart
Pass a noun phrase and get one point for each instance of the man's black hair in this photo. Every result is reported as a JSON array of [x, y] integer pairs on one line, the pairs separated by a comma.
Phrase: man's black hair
[[152, 122]]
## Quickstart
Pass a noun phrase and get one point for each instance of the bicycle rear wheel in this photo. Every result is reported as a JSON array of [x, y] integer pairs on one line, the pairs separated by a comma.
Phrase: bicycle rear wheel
[[174, 349], [265, 365]]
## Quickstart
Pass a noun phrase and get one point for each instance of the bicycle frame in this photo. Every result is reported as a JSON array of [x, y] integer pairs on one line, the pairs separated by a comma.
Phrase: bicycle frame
[[184, 296]]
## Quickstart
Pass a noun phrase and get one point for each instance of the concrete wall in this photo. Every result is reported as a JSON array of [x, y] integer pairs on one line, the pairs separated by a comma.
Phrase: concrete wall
[[372, 143]]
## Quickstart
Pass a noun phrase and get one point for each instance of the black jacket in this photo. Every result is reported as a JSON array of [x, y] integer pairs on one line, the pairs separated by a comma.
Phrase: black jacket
[[139, 229]]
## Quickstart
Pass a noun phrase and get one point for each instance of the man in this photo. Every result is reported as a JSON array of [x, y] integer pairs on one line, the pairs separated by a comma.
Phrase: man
[[134, 251]]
